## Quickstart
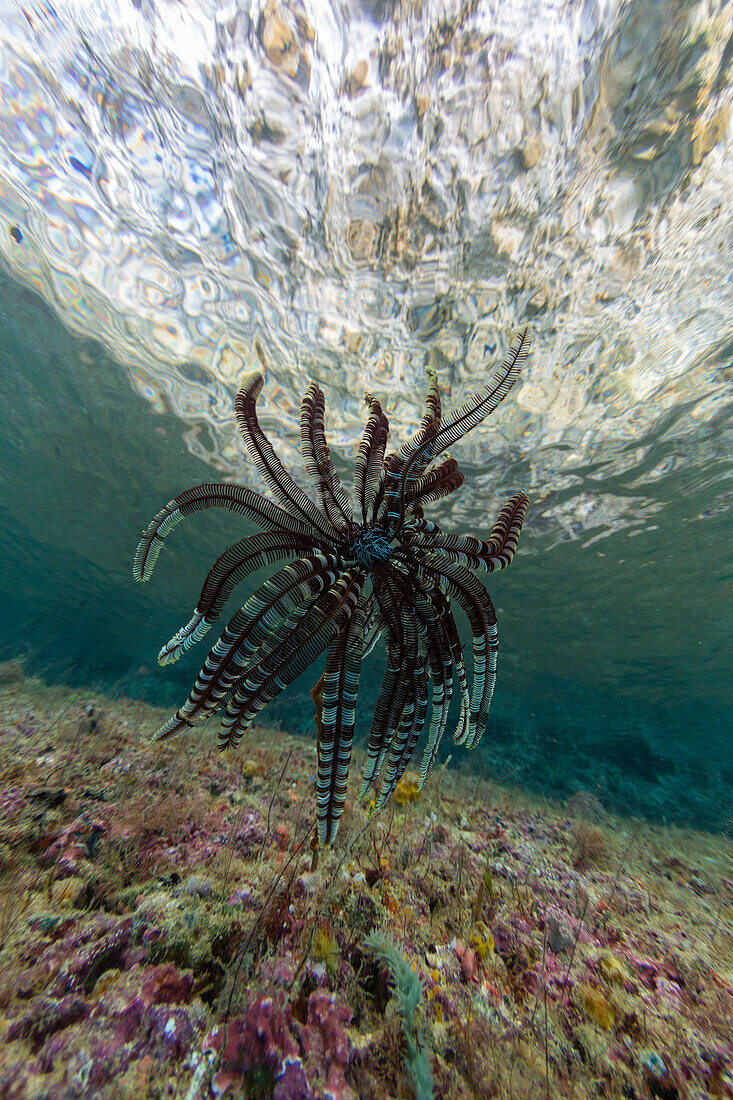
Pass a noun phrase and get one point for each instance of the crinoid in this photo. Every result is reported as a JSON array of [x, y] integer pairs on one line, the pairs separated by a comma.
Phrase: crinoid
[[361, 570]]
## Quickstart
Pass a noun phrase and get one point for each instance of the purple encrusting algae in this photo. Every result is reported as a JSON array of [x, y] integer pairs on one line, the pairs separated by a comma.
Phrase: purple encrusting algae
[[168, 929]]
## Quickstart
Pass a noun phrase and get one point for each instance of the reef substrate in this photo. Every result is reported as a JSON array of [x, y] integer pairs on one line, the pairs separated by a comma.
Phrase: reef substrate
[[168, 929]]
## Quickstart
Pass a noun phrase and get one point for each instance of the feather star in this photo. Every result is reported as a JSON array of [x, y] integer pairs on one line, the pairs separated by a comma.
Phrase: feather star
[[375, 567]]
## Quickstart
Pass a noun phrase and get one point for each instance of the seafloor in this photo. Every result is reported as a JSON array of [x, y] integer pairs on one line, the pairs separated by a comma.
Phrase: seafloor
[[167, 930]]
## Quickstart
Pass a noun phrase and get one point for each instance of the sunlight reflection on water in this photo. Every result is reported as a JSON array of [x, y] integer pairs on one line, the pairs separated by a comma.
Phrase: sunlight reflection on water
[[363, 190]]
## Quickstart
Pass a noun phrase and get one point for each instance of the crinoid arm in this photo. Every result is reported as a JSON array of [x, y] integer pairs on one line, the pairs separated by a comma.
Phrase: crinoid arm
[[317, 458], [269, 466], [476, 604], [339, 688], [230, 569], [252, 633], [327, 616], [460, 423], [482, 556], [236, 498], [368, 467]]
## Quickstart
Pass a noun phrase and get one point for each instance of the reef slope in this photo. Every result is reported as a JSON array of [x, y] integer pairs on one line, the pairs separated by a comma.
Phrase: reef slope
[[167, 929]]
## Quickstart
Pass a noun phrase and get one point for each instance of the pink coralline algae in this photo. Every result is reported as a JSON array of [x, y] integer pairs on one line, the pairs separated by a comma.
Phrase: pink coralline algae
[[143, 1015], [86, 964], [11, 803], [160, 1030], [75, 844], [260, 1042], [469, 966], [250, 833], [46, 1018], [165, 985], [299, 1061], [325, 1043]]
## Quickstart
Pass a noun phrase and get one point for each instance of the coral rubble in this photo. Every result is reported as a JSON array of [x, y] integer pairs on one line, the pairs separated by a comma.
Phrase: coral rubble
[[168, 928]]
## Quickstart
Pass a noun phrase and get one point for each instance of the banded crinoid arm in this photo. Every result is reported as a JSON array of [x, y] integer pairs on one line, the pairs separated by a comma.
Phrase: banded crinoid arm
[[448, 657], [476, 605], [433, 412], [437, 641], [412, 725], [270, 468], [442, 605], [379, 730], [272, 666], [441, 660], [378, 506], [461, 422], [373, 625], [402, 659], [436, 484], [477, 554], [389, 476], [403, 626], [400, 719], [410, 452], [505, 535], [391, 706], [370, 457], [232, 567], [236, 498], [255, 630], [265, 680], [317, 457], [340, 685]]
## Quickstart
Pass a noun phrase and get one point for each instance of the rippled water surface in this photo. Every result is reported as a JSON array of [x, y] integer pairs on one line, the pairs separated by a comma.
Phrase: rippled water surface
[[360, 191]]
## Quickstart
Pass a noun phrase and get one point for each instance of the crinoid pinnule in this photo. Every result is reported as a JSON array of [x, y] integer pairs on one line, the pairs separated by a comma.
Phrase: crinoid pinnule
[[359, 569]]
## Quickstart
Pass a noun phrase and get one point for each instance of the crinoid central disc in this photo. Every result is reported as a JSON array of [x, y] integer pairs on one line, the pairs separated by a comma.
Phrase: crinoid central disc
[[370, 546]]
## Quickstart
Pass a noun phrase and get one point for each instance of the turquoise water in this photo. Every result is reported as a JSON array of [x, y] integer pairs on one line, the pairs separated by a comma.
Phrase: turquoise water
[[615, 665]]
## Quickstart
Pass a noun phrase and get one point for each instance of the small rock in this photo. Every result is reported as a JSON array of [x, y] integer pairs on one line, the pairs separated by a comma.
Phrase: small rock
[[557, 936], [596, 1006], [612, 969], [592, 1042], [307, 883], [652, 1061], [46, 1017], [197, 887], [468, 964], [51, 797], [67, 891]]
